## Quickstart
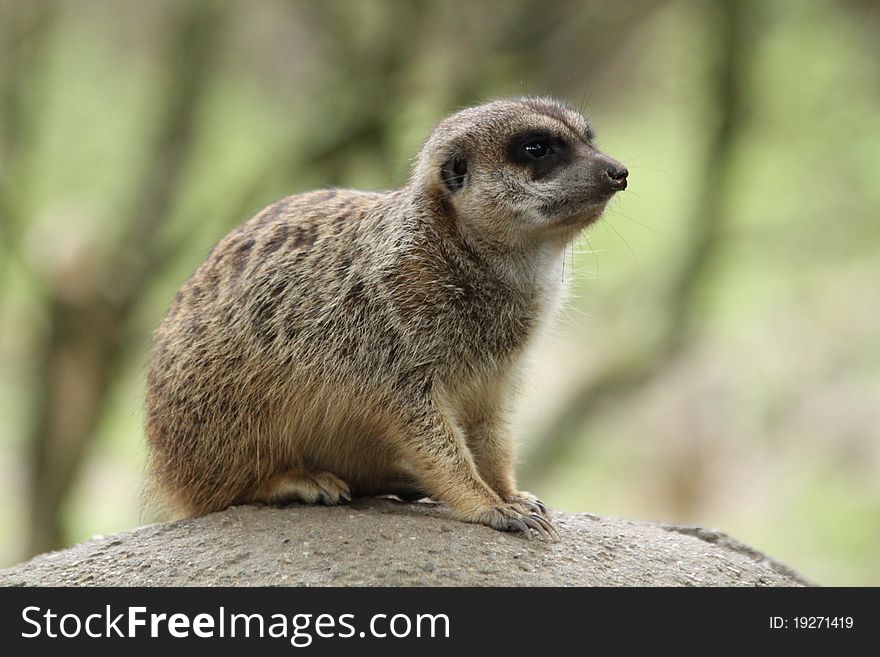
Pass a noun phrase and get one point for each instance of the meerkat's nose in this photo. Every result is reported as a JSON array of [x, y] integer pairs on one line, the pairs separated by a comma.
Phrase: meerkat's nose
[[617, 174]]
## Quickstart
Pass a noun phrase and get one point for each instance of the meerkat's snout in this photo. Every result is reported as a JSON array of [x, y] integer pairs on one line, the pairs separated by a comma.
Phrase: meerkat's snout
[[608, 175], [617, 174]]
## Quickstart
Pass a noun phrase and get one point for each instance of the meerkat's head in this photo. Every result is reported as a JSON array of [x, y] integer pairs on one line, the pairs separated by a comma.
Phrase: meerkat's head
[[515, 170]]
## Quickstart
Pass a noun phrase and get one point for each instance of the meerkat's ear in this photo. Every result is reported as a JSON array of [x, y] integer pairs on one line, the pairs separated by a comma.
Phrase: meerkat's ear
[[454, 172]]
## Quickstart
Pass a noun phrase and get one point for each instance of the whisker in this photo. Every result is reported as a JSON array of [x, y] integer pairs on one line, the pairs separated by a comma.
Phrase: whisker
[[638, 166], [593, 252], [654, 154], [617, 232], [635, 221], [564, 256]]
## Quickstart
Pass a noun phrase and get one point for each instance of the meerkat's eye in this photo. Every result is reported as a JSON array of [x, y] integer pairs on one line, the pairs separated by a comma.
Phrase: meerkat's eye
[[538, 149]]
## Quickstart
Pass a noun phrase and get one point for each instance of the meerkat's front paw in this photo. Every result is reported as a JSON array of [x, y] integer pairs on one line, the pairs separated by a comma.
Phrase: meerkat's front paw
[[516, 517], [529, 502]]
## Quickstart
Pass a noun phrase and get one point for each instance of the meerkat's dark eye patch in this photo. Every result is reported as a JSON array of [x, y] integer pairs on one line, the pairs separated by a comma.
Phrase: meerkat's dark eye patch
[[540, 151], [453, 173]]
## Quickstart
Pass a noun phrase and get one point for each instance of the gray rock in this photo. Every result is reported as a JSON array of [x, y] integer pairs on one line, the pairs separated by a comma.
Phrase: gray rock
[[382, 542]]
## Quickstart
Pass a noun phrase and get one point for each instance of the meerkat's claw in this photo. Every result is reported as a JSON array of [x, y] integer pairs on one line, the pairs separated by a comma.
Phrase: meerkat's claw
[[544, 529], [550, 530], [531, 503], [518, 525], [513, 520], [533, 507]]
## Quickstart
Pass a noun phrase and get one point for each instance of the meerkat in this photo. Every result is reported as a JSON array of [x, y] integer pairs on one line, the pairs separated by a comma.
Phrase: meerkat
[[344, 343]]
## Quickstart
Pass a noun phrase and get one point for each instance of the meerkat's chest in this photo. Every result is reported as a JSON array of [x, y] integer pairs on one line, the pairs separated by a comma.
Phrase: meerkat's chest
[[498, 322], [476, 312]]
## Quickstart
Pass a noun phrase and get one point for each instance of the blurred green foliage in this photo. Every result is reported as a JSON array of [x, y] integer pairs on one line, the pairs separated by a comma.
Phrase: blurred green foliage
[[764, 423]]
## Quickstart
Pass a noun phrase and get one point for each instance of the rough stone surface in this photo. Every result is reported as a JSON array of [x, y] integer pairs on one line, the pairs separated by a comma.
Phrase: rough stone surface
[[386, 543]]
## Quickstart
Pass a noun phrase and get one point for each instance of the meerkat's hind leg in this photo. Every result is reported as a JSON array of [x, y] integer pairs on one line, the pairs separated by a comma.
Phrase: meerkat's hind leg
[[303, 485]]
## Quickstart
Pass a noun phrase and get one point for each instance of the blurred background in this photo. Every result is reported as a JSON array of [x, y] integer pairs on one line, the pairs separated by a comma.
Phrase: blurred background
[[719, 362]]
